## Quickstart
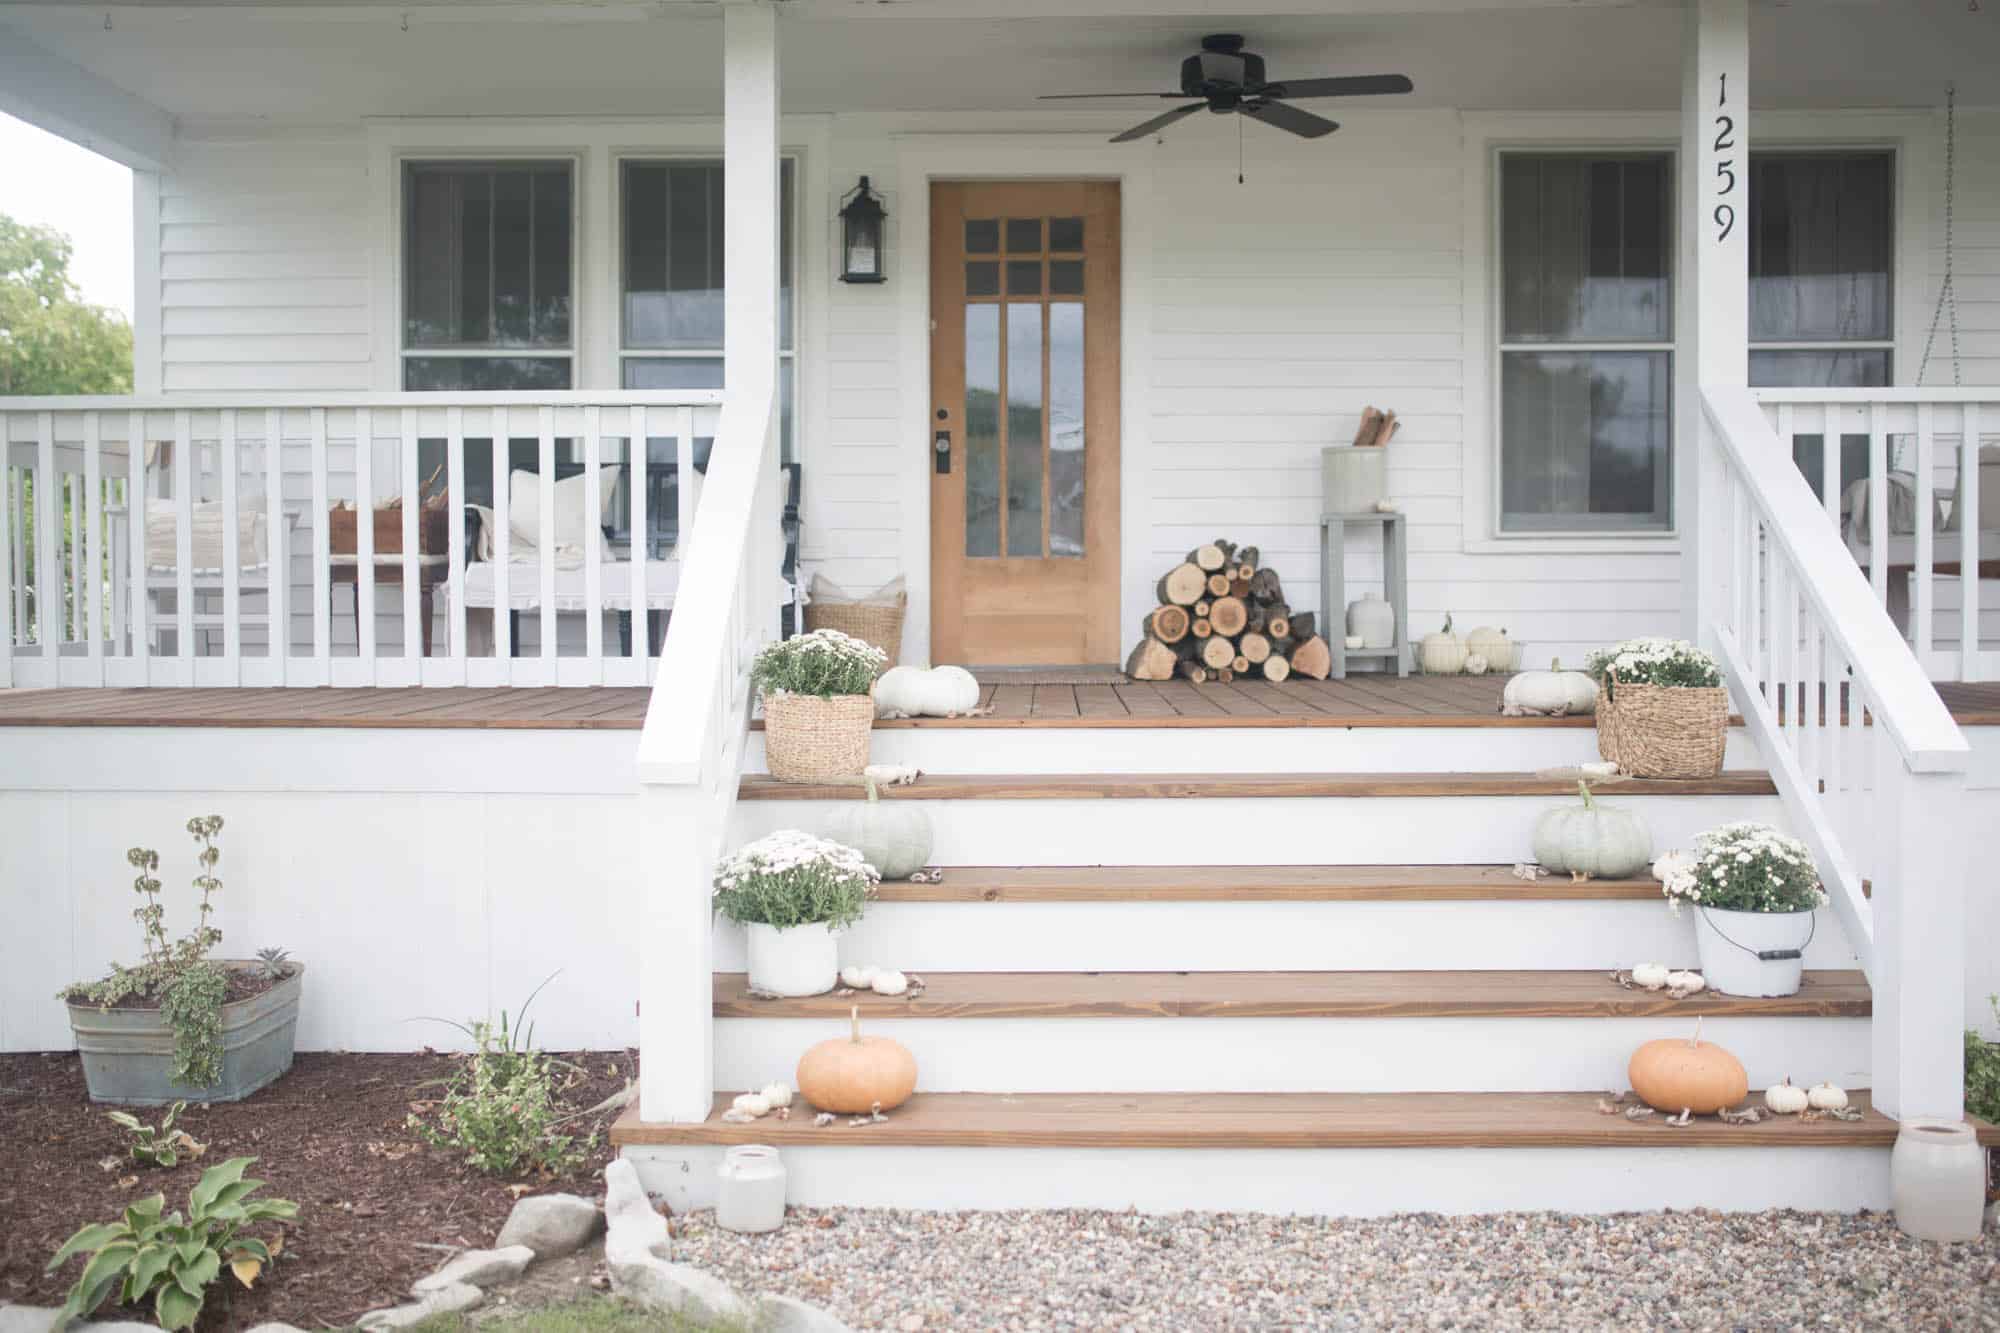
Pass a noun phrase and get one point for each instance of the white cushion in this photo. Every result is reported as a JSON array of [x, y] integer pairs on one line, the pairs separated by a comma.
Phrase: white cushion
[[572, 526]]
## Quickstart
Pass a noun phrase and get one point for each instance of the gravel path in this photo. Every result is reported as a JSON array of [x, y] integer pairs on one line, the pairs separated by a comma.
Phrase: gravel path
[[888, 1269]]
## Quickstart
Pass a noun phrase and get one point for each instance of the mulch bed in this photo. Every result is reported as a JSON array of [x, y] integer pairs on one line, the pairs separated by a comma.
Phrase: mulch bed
[[376, 1207]]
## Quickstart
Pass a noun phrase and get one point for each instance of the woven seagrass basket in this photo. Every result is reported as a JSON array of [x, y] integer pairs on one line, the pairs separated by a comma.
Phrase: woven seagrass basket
[[808, 738], [877, 624], [1663, 731]]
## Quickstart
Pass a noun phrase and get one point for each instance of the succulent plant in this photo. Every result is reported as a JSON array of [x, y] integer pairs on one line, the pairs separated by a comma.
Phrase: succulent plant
[[277, 964]]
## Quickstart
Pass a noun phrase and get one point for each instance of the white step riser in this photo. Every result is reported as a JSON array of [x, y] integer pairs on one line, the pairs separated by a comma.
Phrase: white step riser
[[1285, 937], [1375, 830], [1298, 1054], [1238, 749], [1351, 1182]]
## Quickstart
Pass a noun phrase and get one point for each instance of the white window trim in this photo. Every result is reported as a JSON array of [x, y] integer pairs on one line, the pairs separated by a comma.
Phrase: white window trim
[[1486, 135]]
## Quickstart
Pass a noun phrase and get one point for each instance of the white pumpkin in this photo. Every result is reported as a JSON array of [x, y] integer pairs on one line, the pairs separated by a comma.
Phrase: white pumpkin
[[751, 1104], [1493, 645], [1785, 1099], [857, 976], [777, 1094], [1687, 983], [890, 982], [1826, 1097], [1475, 664], [1441, 653], [1551, 693], [907, 691], [895, 837], [1652, 976], [1592, 839]]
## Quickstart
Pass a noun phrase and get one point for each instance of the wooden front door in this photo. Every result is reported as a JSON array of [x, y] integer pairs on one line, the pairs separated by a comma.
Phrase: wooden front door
[[1024, 502]]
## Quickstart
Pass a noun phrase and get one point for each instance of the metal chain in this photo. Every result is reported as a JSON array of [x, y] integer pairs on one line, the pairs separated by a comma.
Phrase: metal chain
[[1947, 294]]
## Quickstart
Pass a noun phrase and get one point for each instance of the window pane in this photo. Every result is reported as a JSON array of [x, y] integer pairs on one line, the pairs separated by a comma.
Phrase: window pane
[[1024, 429], [1066, 433], [673, 243], [982, 430], [486, 372], [1859, 369], [673, 372], [1583, 248], [1820, 248], [486, 254], [1584, 440]]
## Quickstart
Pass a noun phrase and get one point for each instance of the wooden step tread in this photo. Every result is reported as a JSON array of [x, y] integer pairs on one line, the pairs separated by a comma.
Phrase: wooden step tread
[[1267, 1120], [1185, 884], [1508, 994], [1139, 786]]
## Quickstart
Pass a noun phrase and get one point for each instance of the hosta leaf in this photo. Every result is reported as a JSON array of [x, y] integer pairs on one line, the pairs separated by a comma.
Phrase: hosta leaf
[[252, 1246], [266, 1209], [246, 1269], [214, 1181], [144, 1214], [147, 1267], [124, 1120], [194, 1276], [235, 1193], [105, 1267], [190, 1249], [175, 1308], [93, 1237]]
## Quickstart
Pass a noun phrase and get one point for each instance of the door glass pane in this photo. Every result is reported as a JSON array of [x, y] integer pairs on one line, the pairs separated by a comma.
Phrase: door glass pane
[[1024, 277], [1066, 428], [1066, 233], [982, 430], [1584, 440], [1024, 428], [982, 278], [1066, 277], [1584, 248], [982, 236], [1024, 236]]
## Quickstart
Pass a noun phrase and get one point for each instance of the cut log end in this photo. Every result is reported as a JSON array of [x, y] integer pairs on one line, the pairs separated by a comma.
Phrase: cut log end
[[1229, 615], [1168, 624], [1312, 658], [1195, 672], [1278, 627], [1182, 585], [1208, 557], [1151, 660], [1253, 647], [1217, 652], [1201, 607], [1239, 664], [1218, 585], [1276, 668], [1203, 627]]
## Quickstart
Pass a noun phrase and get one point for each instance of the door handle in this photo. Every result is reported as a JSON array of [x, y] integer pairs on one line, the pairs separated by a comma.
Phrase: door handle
[[941, 452]]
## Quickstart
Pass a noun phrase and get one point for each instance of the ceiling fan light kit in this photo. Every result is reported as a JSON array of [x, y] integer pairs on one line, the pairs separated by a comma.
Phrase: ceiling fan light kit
[[1227, 80]]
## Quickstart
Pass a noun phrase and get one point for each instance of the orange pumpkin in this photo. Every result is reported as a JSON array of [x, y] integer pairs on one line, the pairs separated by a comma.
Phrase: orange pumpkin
[[854, 1074], [1693, 1075]]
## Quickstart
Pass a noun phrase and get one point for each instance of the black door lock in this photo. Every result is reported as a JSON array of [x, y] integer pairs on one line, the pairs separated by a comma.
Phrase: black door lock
[[941, 451]]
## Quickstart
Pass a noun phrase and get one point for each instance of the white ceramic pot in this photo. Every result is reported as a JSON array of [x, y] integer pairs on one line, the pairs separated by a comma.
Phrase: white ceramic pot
[[1937, 1180], [804, 960], [750, 1191], [1730, 943], [1373, 619]]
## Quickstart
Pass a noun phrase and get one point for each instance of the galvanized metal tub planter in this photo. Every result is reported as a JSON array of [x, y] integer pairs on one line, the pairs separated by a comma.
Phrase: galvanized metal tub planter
[[128, 1054]]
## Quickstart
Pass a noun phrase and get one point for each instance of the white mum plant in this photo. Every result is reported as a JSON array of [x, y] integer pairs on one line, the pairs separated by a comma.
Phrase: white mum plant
[[823, 663], [790, 878], [1742, 867], [1653, 661]]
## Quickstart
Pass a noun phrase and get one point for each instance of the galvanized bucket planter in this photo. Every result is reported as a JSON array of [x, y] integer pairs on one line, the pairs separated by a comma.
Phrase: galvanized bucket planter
[[128, 1054]]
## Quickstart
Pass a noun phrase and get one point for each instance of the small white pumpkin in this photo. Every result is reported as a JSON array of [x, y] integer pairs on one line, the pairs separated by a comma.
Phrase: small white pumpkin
[[1551, 693], [1785, 1099], [751, 1104], [1652, 976], [894, 837], [777, 1094], [907, 691], [857, 976], [1493, 645], [1592, 839], [1688, 983], [1475, 664], [1826, 1097], [890, 982], [1441, 653]]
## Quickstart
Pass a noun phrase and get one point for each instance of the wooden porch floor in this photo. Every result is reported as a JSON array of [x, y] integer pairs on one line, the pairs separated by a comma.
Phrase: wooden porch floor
[[1359, 701]]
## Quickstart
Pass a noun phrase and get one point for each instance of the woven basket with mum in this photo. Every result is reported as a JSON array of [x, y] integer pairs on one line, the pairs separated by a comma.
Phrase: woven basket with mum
[[1662, 710], [817, 708]]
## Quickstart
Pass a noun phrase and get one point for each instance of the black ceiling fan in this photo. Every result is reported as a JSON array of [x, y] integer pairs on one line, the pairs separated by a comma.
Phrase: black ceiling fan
[[1227, 79]]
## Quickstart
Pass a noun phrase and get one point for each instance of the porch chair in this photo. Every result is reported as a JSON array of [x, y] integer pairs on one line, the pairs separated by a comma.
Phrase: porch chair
[[253, 572], [1947, 529]]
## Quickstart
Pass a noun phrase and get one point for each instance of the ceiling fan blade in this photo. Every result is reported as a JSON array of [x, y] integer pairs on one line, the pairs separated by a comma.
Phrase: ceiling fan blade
[[1363, 85], [1281, 116], [1077, 97], [1159, 122]]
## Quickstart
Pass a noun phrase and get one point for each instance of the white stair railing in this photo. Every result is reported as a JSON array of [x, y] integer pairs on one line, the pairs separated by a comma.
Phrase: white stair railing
[[1922, 547], [1867, 760], [691, 749]]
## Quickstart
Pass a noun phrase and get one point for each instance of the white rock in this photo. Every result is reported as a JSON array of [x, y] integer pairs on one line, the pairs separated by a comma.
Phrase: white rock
[[630, 1222], [648, 1280], [478, 1268], [783, 1314], [551, 1225], [448, 1300], [27, 1319]]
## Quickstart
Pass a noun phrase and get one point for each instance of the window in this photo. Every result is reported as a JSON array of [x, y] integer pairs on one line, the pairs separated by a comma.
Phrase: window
[[1821, 286], [670, 285], [1586, 343], [488, 260]]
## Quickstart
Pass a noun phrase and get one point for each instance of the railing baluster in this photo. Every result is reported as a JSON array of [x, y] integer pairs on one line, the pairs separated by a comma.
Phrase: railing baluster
[[1829, 468], [364, 542], [232, 555], [10, 561], [593, 544], [1968, 536], [641, 617], [684, 489], [414, 624], [454, 533], [277, 552], [1923, 612], [184, 646], [90, 608], [1878, 504], [322, 558], [48, 598], [135, 525], [503, 545], [545, 545]]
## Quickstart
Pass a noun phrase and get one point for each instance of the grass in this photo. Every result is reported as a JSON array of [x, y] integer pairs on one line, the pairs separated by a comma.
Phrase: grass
[[585, 1314]]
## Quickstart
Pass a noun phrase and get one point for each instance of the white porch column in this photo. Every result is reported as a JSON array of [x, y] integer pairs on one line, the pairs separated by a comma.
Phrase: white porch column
[[1916, 1034], [682, 822], [1715, 254]]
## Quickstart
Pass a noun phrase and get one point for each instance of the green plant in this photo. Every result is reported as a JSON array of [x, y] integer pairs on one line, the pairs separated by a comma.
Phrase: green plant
[[160, 1145], [1654, 662], [1982, 1071], [188, 987], [1743, 867], [172, 1258], [789, 878], [277, 963], [501, 1108], [824, 663]]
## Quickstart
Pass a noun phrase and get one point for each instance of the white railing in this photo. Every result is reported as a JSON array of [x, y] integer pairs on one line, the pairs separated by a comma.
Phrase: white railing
[[1916, 519], [191, 540], [1867, 761], [691, 749]]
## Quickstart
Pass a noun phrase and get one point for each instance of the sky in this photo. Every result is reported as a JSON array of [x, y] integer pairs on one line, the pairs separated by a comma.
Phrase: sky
[[50, 180]]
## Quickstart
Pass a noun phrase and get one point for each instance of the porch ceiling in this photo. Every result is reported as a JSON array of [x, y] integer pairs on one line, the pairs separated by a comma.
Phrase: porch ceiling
[[311, 64]]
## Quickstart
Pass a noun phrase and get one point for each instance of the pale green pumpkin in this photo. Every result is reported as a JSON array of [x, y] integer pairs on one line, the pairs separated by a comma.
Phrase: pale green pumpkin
[[894, 837], [1593, 840]]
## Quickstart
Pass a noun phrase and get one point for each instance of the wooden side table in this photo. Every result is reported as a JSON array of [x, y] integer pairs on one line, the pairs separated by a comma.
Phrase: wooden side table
[[431, 571], [1333, 589]]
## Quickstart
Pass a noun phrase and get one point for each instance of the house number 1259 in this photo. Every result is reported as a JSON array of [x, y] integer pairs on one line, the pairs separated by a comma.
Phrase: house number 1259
[[1725, 174]]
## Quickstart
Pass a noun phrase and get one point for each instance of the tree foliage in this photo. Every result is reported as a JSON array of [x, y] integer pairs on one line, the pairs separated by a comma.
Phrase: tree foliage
[[51, 340]]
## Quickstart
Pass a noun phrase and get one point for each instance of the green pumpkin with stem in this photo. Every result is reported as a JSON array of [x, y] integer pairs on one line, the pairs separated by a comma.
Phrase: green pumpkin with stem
[[1593, 840], [892, 836]]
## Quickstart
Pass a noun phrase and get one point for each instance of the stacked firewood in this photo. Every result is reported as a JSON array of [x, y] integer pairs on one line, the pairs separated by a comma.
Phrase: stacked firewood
[[1222, 616]]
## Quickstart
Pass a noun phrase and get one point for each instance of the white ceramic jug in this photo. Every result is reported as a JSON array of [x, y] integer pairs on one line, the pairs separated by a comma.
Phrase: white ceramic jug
[[752, 1193], [1937, 1180], [1373, 619]]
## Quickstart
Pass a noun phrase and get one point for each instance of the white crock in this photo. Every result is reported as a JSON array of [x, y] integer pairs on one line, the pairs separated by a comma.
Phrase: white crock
[[750, 1191], [1937, 1180], [1373, 619], [802, 960], [1730, 942]]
